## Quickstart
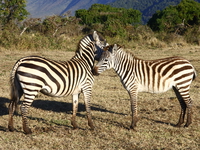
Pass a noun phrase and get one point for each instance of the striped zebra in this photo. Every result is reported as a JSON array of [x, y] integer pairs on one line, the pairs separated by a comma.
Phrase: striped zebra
[[34, 74], [154, 76]]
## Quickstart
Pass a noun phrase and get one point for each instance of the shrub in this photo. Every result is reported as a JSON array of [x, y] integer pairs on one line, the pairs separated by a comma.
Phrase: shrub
[[176, 18]]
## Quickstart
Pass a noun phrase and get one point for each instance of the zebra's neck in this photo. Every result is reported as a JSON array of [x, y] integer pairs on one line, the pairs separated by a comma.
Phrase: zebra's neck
[[85, 52], [124, 60]]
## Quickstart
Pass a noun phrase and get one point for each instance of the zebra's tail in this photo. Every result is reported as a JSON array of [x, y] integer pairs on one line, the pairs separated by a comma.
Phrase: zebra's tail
[[15, 89], [195, 74]]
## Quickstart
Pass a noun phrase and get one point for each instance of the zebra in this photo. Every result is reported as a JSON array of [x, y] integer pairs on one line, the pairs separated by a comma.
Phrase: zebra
[[154, 76], [33, 74]]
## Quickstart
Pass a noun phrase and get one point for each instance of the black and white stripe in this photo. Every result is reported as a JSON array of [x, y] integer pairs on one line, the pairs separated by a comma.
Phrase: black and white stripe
[[153, 76], [34, 74]]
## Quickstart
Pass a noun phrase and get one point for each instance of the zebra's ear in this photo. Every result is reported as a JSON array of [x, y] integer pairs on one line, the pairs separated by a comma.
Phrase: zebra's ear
[[95, 36], [115, 47], [105, 43]]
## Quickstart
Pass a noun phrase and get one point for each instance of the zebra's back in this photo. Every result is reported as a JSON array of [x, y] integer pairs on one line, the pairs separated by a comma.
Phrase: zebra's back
[[160, 75], [52, 77]]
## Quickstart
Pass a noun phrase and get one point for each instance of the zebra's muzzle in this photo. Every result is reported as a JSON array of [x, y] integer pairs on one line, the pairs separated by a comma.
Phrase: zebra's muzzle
[[95, 71]]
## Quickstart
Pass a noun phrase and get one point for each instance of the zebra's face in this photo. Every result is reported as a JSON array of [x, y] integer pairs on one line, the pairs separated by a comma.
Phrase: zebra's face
[[106, 62], [100, 44]]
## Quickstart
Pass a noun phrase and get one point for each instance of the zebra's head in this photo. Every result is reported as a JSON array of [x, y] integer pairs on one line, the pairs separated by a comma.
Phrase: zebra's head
[[106, 60], [100, 44]]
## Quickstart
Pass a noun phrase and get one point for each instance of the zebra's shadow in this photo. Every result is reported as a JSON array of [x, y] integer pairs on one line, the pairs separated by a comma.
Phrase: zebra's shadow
[[66, 107], [3, 107], [160, 122], [55, 106]]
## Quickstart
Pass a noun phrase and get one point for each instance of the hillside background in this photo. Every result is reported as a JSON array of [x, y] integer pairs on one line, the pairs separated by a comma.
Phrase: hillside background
[[43, 8]]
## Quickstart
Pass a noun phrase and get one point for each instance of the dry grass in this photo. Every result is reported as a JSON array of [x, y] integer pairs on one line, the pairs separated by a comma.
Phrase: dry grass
[[49, 117]]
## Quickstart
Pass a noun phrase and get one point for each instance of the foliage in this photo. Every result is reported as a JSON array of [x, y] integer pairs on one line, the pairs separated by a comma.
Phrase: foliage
[[99, 13], [192, 35], [147, 7], [12, 10], [113, 19], [118, 25], [176, 18], [50, 33]]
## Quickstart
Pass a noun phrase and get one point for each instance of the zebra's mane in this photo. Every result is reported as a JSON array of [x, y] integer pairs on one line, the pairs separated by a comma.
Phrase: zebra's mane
[[79, 43], [129, 54], [132, 56], [89, 36], [122, 50]]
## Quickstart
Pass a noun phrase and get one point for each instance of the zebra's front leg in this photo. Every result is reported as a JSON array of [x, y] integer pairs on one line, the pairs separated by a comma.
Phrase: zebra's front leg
[[75, 108], [87, 95], [133, 100]]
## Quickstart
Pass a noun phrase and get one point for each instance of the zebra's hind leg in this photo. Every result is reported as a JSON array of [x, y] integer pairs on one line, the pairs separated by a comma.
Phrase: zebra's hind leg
[[183, 107], [24, 110], [13, 106], [186, 103], [10, 120], [28, 99]]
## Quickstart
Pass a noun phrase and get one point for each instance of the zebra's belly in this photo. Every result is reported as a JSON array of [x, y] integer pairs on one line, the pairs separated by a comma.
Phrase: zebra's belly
[[64, 92], [155, 89], [47, 92]]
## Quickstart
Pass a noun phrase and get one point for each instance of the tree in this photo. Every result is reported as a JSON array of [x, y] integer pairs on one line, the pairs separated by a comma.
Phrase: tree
[[110, 20], [176, 18], [12, 10], [99, 13]]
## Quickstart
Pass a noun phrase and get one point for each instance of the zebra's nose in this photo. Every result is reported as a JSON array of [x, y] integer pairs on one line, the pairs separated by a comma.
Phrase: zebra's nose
[[95, 71]]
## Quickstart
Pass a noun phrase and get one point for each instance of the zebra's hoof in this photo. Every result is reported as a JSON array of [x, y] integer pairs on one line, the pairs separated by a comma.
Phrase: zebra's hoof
[[92, 128], [186, 125], [75, 127], [11, 128], [178, 125], [132, 129], [27, 131]]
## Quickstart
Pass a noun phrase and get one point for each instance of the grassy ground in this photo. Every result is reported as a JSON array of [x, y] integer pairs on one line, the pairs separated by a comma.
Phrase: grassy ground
[[49, 117]]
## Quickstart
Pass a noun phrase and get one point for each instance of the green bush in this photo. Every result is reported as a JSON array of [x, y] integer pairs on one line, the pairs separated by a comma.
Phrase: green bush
[[192, 35], [176, 18], [114, 20]]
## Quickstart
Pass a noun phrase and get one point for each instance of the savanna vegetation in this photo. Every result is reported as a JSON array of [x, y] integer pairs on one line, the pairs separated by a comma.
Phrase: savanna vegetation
[[175, 25], [49, 117], [146, 7], [172, 31]]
